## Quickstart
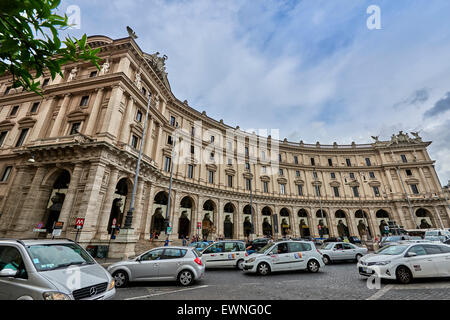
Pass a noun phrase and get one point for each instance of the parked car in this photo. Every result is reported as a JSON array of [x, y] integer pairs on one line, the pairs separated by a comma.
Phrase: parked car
[[354, 240], [333, 239], [41, 269], [200, 245], [226, 253], [284, 256], [437, 239], [255, 245], [171, 263], [437, 232], [407, 261], [385, 241], [340, 251]]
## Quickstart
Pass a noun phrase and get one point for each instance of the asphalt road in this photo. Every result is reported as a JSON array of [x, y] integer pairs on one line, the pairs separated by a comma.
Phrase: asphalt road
[[336, 281]]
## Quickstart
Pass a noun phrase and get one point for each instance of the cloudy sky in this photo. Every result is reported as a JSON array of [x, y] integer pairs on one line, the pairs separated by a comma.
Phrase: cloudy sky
[[310, 68]]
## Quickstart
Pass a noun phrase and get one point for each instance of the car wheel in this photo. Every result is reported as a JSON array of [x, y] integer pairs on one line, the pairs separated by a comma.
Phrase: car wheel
[[313, 266], [358, 256], [263, 269], [326, 260], [403, 275], [240, 264], [120, 278], [186, 278]]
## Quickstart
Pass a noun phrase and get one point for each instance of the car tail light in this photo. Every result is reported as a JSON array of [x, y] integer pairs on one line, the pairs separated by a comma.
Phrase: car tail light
[[246, 254], [198, 261]]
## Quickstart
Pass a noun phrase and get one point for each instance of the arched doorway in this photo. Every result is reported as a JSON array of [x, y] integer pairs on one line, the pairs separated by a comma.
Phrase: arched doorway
[[267, 221], [228, 222], [362, 223], [159, 204], [342, 224], [424, 219], [123, 188], [322, 225], [382, 220], [304, 223], [285, 222], [247, 225], [184, 221], [208, 227], [57, 196]]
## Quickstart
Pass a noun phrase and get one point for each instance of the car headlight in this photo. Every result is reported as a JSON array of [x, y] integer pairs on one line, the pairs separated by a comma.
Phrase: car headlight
[[251, 260], [55, 296], [112, 284], [382, 263]]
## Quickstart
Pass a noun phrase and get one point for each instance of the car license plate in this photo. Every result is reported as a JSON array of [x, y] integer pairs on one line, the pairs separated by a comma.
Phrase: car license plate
[[364, 270]]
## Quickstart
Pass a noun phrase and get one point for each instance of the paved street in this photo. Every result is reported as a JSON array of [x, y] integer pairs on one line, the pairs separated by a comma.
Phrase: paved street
[[337, 281]]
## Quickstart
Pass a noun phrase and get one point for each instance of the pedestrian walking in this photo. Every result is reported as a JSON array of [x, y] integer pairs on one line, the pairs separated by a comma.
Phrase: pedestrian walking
[[184, 241], [166, 243]]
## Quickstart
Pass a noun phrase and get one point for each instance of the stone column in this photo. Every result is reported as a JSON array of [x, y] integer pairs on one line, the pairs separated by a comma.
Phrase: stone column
[[238, 228], [332, 223], [29, 204], [44, 118], [439, 219], [70, 196], [148, 137], [102, 229], [90, 207], [108, 125], [148, 220], [295, 223], [314, 221], [353, 229], [373, 223], [137, 212], [220, 218], [257, 221], [424, 181], [96, 109], [157, 151], [124, 131], [56, 129], [175, 214]]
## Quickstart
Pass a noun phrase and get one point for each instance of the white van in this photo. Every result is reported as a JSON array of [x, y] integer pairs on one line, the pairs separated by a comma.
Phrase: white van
[[227, 253]]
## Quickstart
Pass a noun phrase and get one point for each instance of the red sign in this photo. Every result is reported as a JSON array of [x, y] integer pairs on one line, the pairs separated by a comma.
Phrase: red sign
[[199, 225], [79, 222]]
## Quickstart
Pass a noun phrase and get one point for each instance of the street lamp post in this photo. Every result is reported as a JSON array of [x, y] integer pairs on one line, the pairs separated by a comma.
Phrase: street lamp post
[[129, 217], [251, 203]]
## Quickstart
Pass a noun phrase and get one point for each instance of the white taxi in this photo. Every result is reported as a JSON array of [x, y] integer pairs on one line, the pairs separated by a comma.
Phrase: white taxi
[[284, 256], [227, 253], [406, 261]]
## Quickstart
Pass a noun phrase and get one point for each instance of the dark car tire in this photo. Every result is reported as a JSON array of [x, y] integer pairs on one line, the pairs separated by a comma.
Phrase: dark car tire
[[403, 275], [313, 266], [120, 278], [240, 264], [326, 260], [185, 278], [263, 269], [357, 257]]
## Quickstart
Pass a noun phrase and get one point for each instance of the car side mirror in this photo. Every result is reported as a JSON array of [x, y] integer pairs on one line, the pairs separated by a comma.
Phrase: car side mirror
[[411, 254], [8, 273], [138, 259]]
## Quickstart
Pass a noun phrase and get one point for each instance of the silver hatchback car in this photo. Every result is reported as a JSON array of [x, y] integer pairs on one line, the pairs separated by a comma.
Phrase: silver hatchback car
[[183, 264], [51, 270], [340, 251]]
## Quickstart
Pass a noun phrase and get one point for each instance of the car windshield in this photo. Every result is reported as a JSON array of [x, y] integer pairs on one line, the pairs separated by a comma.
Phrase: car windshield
[[47, 257], [265, 248], [392, 250]]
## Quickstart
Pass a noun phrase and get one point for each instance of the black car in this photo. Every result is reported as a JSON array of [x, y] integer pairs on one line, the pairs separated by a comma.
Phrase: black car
[[257, 243], [333, 239], [354, 240]]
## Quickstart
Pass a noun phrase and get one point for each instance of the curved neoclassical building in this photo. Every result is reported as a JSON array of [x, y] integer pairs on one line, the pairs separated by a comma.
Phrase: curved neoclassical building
[[73, 154]]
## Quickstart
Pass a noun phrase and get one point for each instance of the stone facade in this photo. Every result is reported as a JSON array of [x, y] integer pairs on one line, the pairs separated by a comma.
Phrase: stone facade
[[73, 152]]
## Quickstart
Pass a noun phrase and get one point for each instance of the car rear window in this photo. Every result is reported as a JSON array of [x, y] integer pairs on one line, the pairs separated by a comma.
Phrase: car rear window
[[197, 253], [241, 246], [445, 249]]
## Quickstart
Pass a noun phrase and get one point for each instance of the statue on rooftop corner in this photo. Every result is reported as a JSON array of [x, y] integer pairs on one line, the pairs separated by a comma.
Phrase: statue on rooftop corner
[[73, 74], [105, 67]]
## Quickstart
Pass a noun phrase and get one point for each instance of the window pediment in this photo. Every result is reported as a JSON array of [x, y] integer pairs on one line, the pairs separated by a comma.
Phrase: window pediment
[[230, 172], [26, 122], [354, 183], [282, 180], [375, 183], [265, 178], [77, 115], [335, 184], [6, 125], [317, 183], [211, 167], [412, 181], [247, 175], [299, 182]]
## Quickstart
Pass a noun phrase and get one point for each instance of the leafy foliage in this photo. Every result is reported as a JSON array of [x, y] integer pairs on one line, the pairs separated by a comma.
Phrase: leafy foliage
[[30, 43]]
